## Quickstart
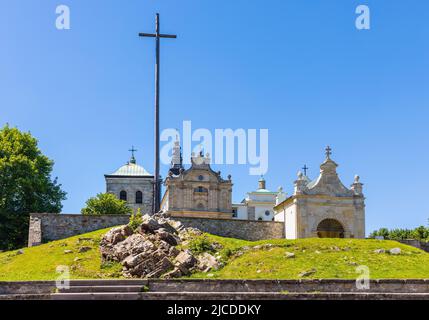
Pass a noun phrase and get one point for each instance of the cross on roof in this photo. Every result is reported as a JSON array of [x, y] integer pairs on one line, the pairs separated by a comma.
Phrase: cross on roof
[[328, 152], [305, 168], [132, 150]]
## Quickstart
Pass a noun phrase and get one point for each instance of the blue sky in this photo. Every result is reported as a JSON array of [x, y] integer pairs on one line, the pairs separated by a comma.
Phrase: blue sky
[[299, 68]]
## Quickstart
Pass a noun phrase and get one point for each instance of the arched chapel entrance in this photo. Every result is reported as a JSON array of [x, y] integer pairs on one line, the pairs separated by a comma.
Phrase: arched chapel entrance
[[330, 228]]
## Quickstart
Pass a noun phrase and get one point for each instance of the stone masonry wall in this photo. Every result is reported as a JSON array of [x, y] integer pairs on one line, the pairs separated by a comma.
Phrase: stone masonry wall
[[416, 243], [48, 226], [234, 228]]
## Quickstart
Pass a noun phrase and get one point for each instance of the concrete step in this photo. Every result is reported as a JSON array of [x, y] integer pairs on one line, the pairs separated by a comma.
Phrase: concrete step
[[238, 296], [24, 296], [102, 288], [113, 282]]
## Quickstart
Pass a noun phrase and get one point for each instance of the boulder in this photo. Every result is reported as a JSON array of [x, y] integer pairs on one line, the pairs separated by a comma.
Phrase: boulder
[[395, 251], [290, 255], [166, 236], [173, 252], [117, 234], [186, 259], [307, 273], [175, 273], [132, 261], [149, 225], [84, 249], [379, 251], [207, 262], [162, 267]]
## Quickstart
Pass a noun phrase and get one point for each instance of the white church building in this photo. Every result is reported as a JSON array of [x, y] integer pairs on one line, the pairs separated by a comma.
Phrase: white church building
[[258, 204], [323, 207]]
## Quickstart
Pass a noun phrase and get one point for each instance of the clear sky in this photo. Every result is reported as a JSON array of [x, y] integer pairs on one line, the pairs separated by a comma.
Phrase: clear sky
[[299, 68]]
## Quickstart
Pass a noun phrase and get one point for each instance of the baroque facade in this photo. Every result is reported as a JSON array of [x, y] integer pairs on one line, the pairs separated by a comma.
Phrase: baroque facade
[[133, 184], [323, 207], [198, 191]]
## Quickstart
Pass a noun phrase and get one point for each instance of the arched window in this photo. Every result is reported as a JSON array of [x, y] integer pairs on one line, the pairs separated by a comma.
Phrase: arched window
[[200, 189], [139, 197], [123, 195]]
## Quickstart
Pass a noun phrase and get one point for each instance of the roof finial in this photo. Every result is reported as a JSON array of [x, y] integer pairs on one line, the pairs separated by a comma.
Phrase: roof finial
[[261, 183], [328, 152], [305, 168], [133, 159]]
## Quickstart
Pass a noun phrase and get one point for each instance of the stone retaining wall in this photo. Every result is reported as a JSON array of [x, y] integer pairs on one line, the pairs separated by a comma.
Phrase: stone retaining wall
[[252, 230], [48, 226], [213, 285], [416, 243]]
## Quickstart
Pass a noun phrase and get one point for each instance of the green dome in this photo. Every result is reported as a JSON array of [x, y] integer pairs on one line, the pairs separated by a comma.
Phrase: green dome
[[131, 169]]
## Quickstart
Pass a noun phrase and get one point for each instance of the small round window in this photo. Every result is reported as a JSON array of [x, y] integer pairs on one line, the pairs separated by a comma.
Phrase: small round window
[[201, 178], [267, 213]]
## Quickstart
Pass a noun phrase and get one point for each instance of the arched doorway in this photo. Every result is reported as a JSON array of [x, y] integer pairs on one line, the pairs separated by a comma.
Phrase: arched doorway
[[330, 228]]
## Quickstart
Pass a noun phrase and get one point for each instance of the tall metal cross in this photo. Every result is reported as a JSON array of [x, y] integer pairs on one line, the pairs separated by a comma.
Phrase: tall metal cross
[[157, 180], [305, 168]]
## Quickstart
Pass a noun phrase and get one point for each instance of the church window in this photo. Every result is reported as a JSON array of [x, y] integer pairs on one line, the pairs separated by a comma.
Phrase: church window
[[200, 189], [123, 195], [260, 218], [267, 213], [200, 177], [234, 213], [139, 197]]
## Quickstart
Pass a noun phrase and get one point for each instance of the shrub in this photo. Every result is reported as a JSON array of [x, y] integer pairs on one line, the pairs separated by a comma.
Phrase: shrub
[[200, 245], [105, 203], [136, 220]]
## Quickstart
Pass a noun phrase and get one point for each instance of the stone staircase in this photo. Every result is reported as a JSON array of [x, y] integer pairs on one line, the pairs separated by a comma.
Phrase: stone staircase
[[218, 290]]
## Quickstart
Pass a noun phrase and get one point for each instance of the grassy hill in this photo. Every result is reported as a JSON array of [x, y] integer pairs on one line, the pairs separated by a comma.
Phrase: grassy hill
[[324, 258]]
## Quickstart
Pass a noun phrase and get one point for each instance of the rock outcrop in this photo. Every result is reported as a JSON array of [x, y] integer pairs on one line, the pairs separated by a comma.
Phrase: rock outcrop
[[153, 251]]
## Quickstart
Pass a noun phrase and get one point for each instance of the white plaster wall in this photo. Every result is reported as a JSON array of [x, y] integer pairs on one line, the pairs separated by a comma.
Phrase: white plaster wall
[[291, 222], [241, 212], [260, 212]]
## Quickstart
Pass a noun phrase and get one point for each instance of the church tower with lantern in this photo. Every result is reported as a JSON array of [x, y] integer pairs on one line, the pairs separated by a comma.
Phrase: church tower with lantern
[[133, 184]]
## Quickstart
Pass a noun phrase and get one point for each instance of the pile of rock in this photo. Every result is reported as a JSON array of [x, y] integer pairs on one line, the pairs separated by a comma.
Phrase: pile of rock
[[151, 250]]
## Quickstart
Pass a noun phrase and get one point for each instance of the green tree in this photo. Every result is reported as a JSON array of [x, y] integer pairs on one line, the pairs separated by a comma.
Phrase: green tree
[[25, 186], [106, 203]]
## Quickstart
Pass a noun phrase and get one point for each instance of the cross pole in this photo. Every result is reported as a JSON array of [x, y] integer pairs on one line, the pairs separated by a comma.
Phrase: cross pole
[[157, 181]]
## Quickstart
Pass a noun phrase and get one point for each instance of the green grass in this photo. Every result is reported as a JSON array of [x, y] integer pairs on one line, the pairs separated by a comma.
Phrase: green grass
[[318, 254], [40, 263]]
